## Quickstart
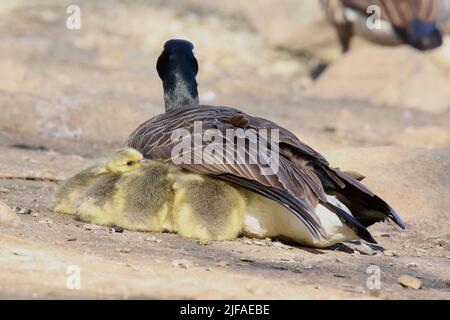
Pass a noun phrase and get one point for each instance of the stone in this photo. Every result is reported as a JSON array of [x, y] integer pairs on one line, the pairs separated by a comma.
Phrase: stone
[[91, 227], [115, 229], [152, 239], [410, 282], [222, 263], [22, 210], [182, 263], [390, 253]]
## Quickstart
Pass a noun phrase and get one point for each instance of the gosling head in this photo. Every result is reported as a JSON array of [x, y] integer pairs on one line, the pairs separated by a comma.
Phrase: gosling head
[[177, 67], [124, 160]]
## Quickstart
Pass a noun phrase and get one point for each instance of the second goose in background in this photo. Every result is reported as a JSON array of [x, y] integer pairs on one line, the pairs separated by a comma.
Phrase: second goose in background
[[417, 23]]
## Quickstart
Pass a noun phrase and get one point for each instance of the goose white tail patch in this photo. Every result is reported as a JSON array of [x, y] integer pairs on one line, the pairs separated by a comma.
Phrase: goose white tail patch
[[266, 218], [333, 226]]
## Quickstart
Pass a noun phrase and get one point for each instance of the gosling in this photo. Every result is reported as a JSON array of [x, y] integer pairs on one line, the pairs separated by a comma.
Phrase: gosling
[[69, 194], [147, 195]]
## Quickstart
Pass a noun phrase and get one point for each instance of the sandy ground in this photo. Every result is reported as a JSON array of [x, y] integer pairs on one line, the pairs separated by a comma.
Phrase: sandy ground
[[70, 97]]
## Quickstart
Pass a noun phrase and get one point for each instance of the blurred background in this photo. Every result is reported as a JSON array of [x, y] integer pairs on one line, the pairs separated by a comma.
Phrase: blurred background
[[97, 83], [69, 96]]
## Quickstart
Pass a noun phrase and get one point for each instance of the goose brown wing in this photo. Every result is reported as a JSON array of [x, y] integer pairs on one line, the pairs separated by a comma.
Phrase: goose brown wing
[[367, 207], [293, 185], [303, 174]]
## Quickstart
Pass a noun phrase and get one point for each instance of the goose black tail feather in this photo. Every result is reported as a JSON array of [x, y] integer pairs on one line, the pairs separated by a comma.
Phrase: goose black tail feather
[[366, 206]]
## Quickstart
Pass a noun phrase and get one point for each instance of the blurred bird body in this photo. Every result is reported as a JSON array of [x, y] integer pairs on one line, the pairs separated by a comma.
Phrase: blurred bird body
[[413, 22]]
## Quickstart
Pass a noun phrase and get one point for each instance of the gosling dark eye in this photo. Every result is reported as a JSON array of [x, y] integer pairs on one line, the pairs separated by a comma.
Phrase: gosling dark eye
[[129, 163]]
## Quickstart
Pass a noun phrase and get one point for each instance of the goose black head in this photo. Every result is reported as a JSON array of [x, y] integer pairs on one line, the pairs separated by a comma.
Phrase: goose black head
[[177, 67], [421, 35]]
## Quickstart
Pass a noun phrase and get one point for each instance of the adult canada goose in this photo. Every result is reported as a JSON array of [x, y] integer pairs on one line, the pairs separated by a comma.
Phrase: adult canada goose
[[68, 195], [153, 196], [388, 22], [305, 200]]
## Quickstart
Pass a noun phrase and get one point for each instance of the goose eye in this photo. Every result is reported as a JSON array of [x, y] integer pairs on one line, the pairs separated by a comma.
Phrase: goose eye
[[129, 163]]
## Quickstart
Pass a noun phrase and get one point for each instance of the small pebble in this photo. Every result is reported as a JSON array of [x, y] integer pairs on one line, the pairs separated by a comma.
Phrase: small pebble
[[410, 282], [91, 227], [246, 260], [72, 239], [412, 265], [153, 239], [182, 263], [45, 221], [4, 190], [277, 244], [204, 242], [124, 250], [260, 243], [115, 229], [222, 263], [440, 242], [390, 253], [22, 210]]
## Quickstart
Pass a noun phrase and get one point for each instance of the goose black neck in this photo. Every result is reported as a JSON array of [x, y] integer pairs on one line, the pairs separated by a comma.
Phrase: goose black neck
[[180, 90]]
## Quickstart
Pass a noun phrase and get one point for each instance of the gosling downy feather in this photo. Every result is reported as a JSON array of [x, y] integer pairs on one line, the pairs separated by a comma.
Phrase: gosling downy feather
[[328, 205], [158, 197], [139, 199], [207, 209], [68, 196]]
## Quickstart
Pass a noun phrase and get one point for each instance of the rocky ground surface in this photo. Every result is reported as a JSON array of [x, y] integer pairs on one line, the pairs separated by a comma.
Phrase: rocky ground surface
[[69, 97]]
